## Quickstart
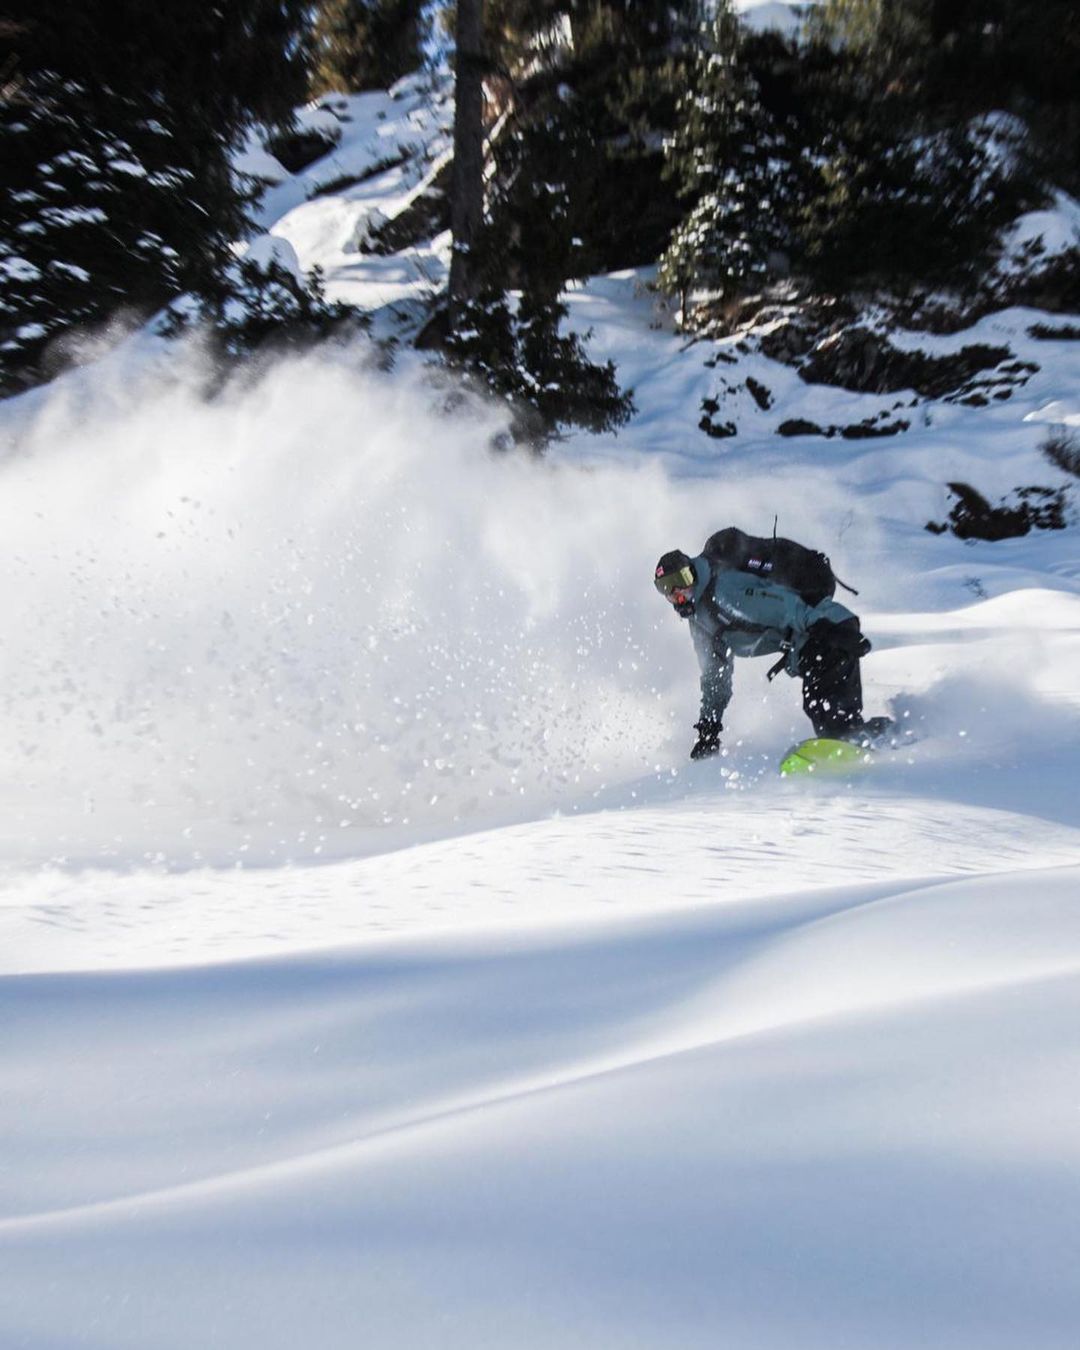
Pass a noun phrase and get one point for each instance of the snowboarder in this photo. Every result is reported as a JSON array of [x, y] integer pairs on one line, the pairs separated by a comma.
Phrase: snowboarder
[[748, 596]]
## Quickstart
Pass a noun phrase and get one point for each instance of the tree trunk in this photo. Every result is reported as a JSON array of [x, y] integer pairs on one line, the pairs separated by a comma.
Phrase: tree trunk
[[467, 179]]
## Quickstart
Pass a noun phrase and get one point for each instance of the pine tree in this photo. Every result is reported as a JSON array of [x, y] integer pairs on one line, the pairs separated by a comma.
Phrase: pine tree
[[73, 174], [741, 161], [911, 189], [115, 128], [535, 209], [366, 44], [520, 353], [590, 104]]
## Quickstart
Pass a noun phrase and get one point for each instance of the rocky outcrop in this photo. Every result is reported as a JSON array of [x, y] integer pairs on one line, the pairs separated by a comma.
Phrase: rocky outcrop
[[342, 182], [717, 430], [1047, 332], [1062, 449], [826, 346], [296, 149], [972, 516], [867, 430], [798, 426], [866, 362], [761, 395], [427, 215]]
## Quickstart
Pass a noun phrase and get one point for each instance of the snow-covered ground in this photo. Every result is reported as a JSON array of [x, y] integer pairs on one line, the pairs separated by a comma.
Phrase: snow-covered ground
[[375, 967]]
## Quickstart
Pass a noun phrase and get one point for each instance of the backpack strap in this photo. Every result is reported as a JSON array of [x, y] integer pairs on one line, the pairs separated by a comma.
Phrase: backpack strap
[[850, 589], [773, 671]]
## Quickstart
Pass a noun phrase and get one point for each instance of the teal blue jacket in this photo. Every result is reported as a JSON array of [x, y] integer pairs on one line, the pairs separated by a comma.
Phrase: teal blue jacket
[[740, 614]]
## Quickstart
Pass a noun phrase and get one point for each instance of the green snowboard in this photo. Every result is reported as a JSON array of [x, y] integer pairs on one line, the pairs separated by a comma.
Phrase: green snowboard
[[829, 755], [822, 755]]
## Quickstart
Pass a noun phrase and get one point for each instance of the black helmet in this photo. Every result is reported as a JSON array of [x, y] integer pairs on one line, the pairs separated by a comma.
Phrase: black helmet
[[674, 572]]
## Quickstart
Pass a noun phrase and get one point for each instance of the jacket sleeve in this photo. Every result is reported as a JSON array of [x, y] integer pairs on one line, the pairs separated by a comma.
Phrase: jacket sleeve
[[715, 659], [831, 611]]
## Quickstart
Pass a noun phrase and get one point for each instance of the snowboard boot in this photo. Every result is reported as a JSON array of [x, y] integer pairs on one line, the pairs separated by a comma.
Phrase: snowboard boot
[[866, 734]]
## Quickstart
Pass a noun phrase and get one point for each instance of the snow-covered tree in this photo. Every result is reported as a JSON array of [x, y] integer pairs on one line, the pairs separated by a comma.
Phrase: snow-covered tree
[[963, 58], [852, 160], [570, 185], [116, 123], [586, 117], [101, 214], [915, 184], [739, 159]]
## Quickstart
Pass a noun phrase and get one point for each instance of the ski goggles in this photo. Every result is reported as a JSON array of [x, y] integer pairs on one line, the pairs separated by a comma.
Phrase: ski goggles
[[667, 583]]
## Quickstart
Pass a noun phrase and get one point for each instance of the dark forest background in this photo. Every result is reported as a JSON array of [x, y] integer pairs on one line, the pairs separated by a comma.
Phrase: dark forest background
[[879, 156]]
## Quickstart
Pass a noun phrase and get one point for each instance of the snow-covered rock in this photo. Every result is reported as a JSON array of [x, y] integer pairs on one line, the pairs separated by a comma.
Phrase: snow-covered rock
[[268, 250]]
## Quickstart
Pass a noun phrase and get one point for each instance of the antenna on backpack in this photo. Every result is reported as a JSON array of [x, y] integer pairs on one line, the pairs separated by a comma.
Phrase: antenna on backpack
[[775, 522]]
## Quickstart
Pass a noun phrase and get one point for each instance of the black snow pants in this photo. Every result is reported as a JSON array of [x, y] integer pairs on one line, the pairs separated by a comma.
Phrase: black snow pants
[[832, 684]]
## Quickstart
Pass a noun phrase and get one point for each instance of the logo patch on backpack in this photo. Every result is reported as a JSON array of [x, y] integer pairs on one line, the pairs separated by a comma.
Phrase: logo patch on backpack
[[759, 565]]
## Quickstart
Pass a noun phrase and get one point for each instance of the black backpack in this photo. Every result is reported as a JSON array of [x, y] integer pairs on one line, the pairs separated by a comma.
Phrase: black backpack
[[781, 561]]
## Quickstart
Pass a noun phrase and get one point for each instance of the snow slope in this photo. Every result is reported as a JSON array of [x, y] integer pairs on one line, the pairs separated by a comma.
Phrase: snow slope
[[374, 966], [811, 1122]]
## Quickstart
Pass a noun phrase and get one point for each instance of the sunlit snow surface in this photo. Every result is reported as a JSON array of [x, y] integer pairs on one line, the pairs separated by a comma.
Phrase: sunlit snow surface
[[377, 970]]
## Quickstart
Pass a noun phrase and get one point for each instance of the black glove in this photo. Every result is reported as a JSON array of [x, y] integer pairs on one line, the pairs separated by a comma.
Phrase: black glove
[[708, 741]]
